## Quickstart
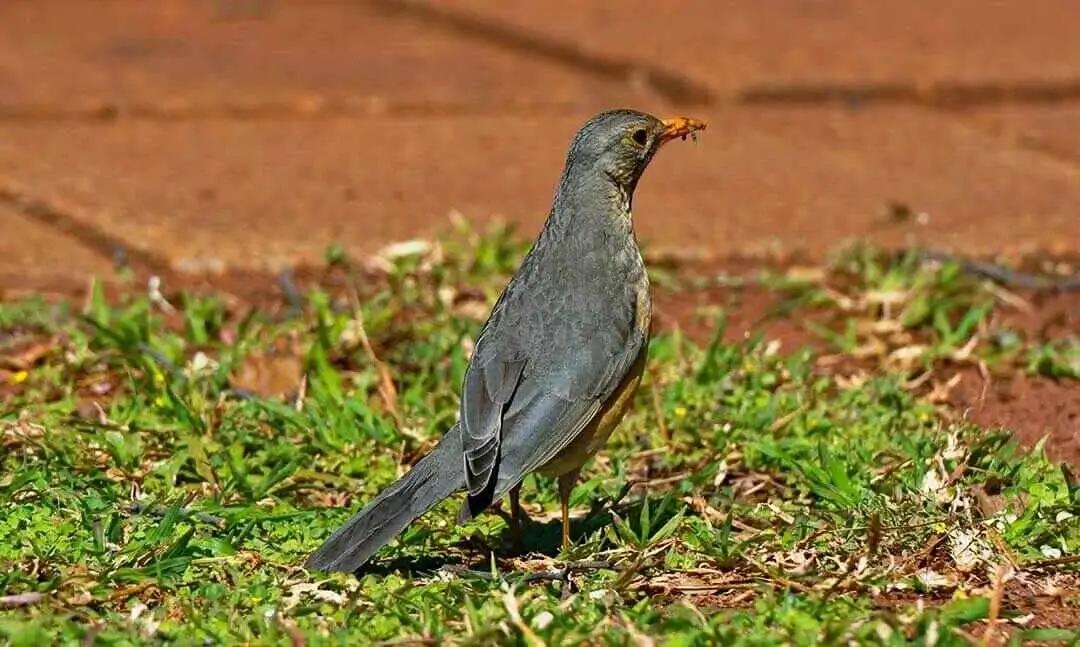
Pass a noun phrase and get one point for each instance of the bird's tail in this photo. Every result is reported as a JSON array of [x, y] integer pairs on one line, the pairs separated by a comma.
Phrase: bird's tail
[[435, 477]]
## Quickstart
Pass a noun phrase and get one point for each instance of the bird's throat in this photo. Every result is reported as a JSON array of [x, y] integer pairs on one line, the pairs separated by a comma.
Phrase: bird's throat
[[622, 201], [591, 200]]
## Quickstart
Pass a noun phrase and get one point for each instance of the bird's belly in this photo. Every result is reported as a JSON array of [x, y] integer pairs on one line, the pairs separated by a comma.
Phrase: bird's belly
[[596, 433]]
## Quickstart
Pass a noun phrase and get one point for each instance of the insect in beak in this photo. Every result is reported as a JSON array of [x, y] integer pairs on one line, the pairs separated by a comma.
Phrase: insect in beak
[[681, 127]]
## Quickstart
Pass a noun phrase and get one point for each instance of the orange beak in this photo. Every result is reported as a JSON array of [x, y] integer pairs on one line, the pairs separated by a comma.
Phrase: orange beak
[[680, 127]]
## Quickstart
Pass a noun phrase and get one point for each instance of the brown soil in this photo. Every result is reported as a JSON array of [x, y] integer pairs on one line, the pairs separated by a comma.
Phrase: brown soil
[[1031, 408], [1036, 610], [746, 309], [1018, 601]]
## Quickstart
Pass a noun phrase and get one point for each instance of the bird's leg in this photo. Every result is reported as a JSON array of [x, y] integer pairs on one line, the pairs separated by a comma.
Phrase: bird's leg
[[566, 486], [515, 519]]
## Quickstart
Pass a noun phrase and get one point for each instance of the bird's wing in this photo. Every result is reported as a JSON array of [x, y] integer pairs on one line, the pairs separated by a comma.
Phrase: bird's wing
[[523, 412], [490, 383], [543, 419], [537, 377]]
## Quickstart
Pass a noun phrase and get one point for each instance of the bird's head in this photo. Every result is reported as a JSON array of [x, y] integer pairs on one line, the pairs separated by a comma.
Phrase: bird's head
[[619, 144]]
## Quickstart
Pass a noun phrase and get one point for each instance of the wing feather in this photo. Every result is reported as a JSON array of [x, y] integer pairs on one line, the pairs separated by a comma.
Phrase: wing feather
[[487, 390]]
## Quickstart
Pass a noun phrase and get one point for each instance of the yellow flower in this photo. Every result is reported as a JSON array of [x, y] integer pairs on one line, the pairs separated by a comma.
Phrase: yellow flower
[[680, 412], [19, 377]]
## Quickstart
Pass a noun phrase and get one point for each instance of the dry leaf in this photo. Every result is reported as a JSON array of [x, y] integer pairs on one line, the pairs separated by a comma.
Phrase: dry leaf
[[24, 358]]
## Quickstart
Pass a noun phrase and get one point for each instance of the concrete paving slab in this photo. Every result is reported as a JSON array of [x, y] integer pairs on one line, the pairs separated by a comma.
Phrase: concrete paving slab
[[270, 193], [195, 54], [36, 257], [1054, 129], [732, 45], [809, 178]]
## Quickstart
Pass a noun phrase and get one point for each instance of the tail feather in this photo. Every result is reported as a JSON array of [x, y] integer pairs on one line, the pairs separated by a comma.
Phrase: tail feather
[[434, 478]]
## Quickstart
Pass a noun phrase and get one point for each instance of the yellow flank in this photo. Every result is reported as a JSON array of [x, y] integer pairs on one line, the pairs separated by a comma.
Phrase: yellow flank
[[596, 433], [644, 305]]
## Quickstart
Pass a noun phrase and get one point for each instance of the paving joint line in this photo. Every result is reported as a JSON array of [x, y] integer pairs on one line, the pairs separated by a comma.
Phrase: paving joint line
[[1036, 145], [941, 94], [99, 242], [681, 89], [307, 106], [1021, 141], [672, 86]]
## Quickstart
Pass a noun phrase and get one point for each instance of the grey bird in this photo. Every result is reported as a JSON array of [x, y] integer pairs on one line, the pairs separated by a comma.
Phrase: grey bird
[[561, 355]]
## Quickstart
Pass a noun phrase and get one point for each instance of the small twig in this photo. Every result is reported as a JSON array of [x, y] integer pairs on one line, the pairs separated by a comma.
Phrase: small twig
[[289, 290], [667, 480], [749, 584], [776, 577], [889, 469], [930, 548], [1010, 299], [1005, 276], [648, 453], [984, 373], [159, 511], [995, 604], [1004, 548], [783, 420], [628, 573], [386, 387], [904, 526], [457, 569], [561, 574], [1053, 561], [301, 394], [873, 534]]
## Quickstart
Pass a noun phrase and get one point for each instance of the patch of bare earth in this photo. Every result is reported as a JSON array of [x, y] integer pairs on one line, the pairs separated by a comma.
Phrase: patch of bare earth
[[733, 287], [1029, 406], [1021, 607]]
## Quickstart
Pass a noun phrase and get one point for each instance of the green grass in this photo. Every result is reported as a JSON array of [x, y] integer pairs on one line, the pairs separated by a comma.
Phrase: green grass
[[749, 499]]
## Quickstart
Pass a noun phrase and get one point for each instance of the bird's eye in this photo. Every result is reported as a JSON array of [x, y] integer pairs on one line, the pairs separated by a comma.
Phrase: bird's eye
[[639, 136]]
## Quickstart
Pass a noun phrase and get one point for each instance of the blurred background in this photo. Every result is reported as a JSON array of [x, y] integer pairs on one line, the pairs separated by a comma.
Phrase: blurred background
[[204, 135]]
